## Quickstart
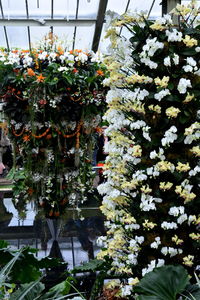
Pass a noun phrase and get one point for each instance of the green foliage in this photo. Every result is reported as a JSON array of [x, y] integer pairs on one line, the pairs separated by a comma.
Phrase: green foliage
[[93, 265], [166, 283], [26, 266]]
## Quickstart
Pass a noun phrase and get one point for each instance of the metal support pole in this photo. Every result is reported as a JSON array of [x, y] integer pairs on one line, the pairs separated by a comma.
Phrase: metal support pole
[[168, 5]]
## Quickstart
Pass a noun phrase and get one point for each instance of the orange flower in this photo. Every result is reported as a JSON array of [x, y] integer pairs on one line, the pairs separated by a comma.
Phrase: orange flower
[[30, 191], [74, 70], [40, 78], [100, 72], [60, 50], [30, 72], [49, 136], [56, 214], [26, 138], [77, 50]]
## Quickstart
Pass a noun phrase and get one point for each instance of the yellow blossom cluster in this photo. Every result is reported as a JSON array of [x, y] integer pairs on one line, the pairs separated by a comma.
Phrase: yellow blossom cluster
[[155, 108], [196, 150], [192, 128], [137, 151], [148, 224], [188, 260], [146, 189], [132, 185], [120, 139], [157, 26], [138, 78], [190, 42], [127, 19], [181, 10], [184, 194], [176, 240], [182, 167], [162, 82], [114, 66], [164, 166], [195, 236], [172, 112], [188, 98], [165, 186]]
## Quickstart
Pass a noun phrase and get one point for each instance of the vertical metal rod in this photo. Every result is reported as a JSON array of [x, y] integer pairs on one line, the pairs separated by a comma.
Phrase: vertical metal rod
[[152, 5], [28, 27], [36, 246], [127, 6], [52, 9], [6, 37], [4, 27], [74, 35], [73, 256]]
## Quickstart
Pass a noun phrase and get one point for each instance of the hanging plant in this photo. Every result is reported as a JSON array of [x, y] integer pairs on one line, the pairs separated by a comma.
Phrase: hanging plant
[[151, 196], [53, 101]]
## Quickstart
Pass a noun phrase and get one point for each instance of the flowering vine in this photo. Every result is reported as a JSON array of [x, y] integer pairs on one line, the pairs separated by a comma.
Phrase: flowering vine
[[151, 195]]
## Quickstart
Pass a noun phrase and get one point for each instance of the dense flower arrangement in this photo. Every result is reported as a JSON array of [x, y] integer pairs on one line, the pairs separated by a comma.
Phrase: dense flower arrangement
[[54, 100], [152, 192]]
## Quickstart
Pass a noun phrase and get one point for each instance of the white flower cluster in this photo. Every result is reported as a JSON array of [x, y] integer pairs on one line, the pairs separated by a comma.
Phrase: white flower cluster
[[170, 136], [191, 65], [160, 95], [174, 35], [171, 251], [153, 264], [149, 49], [183, 85]]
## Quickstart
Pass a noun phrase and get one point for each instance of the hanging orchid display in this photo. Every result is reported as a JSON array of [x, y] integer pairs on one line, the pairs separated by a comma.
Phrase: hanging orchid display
[[53, 100]]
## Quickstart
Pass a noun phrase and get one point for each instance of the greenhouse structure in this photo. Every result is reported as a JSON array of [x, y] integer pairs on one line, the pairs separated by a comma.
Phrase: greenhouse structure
[[100, 149]]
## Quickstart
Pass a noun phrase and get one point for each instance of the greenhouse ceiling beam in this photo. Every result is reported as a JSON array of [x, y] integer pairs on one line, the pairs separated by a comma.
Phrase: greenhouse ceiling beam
[[99, 24], [46, 22]]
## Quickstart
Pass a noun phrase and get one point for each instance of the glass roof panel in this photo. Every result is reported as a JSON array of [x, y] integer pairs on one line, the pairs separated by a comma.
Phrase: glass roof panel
[[39, 9], [64, 9], [14, 9], [65, 34], [88, 9], [103, 44], [118, 6], [145, 5], [17, 37], [2, 37], [37, 33], [84, 37]]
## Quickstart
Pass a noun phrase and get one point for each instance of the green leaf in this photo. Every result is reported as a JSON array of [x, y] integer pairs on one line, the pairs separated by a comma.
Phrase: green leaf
[[3, 244], [92, 265], [163, 283], [68, 78], [28, 291], [189, 52], [192, 291], [7, 268]]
